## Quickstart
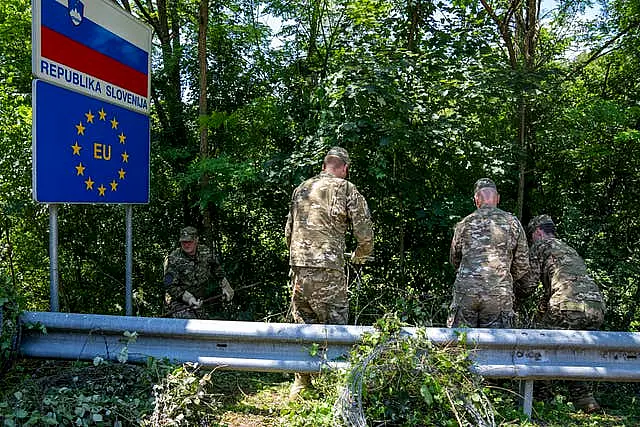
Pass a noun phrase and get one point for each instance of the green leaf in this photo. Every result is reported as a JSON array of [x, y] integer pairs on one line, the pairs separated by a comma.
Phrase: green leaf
[[426, 394]]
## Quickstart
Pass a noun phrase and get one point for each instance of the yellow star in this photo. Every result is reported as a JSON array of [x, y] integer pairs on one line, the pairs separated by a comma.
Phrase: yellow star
[[89, 184], [113, 185], [101, 189], [76, 149], [103, 115], [80, 128], [122, 137], [125, 157], [114, 123], [121, 173], [89, 117], [80, 169]]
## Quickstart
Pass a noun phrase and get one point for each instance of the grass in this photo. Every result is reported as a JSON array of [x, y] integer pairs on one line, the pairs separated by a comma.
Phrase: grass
[[240, 398]]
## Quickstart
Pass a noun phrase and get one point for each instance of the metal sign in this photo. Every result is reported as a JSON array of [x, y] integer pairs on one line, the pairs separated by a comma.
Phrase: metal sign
[[93, 47], [86, 150]]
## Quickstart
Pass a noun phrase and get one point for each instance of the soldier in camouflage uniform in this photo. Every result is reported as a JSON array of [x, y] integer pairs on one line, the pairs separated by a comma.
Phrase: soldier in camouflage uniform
[[490, 254], [572, 299], [189, 272], [322, 209]]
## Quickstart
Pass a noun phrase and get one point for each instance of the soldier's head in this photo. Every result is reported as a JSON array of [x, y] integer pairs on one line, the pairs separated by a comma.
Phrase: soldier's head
[[189, 240], [541, 227], [337, 162], [485, 193]]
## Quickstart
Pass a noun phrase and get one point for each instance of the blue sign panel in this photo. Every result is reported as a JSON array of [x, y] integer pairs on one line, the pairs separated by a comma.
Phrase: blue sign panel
[[86, 150]]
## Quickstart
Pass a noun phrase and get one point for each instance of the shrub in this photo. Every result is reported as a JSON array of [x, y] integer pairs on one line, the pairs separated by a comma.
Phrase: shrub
[[398, 379]]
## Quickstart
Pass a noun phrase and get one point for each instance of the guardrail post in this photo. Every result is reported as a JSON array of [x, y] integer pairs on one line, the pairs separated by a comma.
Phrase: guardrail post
[[526, 399]]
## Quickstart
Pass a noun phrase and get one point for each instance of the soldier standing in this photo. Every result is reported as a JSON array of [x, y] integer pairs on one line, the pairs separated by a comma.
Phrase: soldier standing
[[322, 209], [490, 254], [572, 299], [188, 272]]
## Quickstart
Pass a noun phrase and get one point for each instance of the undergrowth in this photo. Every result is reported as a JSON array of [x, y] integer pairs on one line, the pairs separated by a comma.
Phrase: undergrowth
[[401, 379], [38, 393], [9, 313]]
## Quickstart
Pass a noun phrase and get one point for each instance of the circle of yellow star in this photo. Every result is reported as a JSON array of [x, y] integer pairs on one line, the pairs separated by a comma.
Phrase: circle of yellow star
[[80, 169], [114, 123], [121, 137], [125, 157], [89, 117], [80, 128], [102, 189], [89, 183], [113, 185], [103, 114], [76, 149], [121, 173]]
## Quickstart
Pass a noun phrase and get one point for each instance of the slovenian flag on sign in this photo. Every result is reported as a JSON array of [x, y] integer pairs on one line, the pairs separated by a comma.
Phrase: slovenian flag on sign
[[93, 47]]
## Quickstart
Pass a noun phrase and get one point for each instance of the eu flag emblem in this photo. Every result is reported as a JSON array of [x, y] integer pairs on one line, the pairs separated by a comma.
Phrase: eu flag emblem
[[86, 150]]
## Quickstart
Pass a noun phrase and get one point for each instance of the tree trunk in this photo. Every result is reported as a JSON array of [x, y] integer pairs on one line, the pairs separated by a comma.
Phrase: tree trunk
[[203, 23]]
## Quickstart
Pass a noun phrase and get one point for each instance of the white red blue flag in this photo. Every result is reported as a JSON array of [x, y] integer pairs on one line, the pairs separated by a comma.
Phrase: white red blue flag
[[93, 47]]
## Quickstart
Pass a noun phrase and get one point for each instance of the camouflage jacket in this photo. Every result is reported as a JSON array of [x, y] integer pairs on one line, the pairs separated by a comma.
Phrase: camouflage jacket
[[563, 274], [195, 274], [489, 251], [322, 209]]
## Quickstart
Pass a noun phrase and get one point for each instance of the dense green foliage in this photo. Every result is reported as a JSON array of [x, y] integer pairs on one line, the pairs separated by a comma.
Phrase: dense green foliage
[[426, 97], [406, 380]]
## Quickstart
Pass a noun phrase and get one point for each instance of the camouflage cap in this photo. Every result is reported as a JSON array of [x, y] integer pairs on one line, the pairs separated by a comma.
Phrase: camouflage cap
[[188, 234], [538, 221], [484, 183], [339, 152]]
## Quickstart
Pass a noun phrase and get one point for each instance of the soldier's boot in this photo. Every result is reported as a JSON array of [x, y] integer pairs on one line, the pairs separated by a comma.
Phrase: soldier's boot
[[301, 383], [584, 399], [587, 404]]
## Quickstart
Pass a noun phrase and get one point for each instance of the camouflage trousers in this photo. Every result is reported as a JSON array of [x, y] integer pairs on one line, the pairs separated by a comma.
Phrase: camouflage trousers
[[179, 310], [319, 296], [589, 318], [475, 308]]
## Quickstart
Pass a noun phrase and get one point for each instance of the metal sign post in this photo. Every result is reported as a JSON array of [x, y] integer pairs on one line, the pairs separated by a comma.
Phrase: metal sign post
[[53, 257], [129, 261]]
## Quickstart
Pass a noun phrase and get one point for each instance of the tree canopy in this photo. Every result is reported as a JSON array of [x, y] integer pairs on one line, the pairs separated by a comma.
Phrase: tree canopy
[[426, 96]]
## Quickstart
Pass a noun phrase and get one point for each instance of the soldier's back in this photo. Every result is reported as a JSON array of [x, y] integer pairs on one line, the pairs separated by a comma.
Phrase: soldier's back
[[487, 239]]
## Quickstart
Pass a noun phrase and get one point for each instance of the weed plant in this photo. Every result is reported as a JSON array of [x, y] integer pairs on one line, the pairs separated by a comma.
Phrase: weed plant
[[9, 313]]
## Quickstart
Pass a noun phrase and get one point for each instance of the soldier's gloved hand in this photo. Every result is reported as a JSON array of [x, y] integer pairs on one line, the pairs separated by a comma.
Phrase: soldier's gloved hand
[[227, 290], [191, 300]]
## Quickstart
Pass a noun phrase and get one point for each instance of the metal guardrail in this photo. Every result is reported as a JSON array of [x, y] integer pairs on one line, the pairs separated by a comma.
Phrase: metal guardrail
[[526, 354]]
